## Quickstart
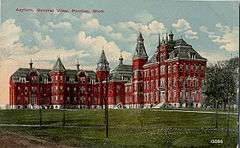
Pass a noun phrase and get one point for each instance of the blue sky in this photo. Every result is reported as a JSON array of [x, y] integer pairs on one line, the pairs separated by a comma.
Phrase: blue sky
[[210, 27], [203, 24]]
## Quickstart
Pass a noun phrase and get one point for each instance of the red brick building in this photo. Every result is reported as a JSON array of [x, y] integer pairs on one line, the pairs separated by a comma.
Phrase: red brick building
[[172, 76]]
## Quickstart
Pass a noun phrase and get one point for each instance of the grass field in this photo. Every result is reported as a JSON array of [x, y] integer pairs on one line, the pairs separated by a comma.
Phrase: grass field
[[127, 128]]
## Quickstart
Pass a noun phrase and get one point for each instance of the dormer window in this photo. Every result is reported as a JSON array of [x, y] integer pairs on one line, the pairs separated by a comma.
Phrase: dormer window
[[192, 55], [175, 54], [23, 80]]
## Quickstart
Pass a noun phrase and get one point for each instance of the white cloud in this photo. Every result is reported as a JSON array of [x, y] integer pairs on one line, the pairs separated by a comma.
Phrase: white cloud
[[94, 45], [184, 26], [93, 23], [61, 25], [181, 25], [10, 33], [43, 41], [144, 17], [190, 34], [86, 16], [9, 37], [152, 27], [213, 57], [226, 37], [9, 46]]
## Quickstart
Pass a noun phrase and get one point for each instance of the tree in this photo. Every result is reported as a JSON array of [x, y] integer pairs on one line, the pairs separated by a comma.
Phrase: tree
[[220, 84]]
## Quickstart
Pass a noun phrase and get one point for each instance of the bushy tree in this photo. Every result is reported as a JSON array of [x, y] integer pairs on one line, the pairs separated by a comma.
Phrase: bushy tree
[[220, 87]]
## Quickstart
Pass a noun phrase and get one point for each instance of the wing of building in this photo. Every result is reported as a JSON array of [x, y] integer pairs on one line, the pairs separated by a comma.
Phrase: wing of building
[[172, 76]]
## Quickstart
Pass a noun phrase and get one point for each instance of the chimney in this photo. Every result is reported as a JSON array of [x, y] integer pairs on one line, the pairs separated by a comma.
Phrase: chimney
[[159, 40], [78, 66], [120, 60], [166, 37], [31, 64], [171, 36]]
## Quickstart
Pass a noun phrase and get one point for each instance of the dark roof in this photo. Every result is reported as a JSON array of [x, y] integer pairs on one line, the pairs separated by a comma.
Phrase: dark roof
[[122, 68], [23, 72], [140, 51], [181, 42], [58, 66], [103, 64], [180, 49]]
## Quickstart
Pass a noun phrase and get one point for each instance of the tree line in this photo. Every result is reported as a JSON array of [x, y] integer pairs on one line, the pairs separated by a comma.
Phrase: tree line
[[220, 87]]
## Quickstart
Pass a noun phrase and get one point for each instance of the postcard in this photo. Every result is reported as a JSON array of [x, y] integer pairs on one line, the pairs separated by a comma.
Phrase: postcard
[[125, 73]]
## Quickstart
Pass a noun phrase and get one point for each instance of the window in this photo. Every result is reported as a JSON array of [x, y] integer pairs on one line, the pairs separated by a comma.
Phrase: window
[[162, 69], [186, 67], [135, 86], [152, 73], [117, 99], [23, 80], [140, 87], [162, 95], [162, 83]]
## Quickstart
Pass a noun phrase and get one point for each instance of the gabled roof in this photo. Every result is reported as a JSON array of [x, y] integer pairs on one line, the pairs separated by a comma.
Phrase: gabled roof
[[58, 66]]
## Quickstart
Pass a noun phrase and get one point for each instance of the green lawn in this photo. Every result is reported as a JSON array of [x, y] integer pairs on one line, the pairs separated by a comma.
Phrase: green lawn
[[129, 127]]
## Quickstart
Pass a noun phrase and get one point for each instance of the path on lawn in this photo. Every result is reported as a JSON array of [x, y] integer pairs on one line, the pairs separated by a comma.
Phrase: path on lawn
[[14, 140]]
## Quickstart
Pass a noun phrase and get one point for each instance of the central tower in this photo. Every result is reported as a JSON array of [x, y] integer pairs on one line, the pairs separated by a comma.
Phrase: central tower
[[103, 69], [140, 57]]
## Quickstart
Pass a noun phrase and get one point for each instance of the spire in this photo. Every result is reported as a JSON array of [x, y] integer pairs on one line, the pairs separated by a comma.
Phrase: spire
[[140, 51], [31, 64], [171, 36], [140, 37], [58, 66], [103, 64], [120, 59]]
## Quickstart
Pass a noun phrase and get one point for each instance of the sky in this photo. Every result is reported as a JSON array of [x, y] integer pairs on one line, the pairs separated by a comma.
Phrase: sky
[[37, 30]]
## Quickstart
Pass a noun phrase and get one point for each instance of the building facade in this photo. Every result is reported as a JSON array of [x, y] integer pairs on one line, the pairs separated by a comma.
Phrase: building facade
[[172, 76]]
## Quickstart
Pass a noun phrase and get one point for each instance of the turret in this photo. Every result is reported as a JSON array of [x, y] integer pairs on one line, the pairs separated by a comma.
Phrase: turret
[[57, 75], [140, 52], [139, 59], [102, 67], [140, 56], [58, 66]]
